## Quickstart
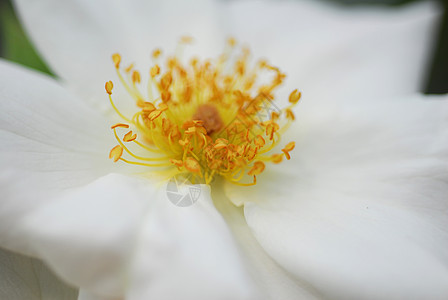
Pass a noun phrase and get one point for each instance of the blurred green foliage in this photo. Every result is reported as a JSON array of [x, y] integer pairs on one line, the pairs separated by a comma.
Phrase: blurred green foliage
[[15, 45]]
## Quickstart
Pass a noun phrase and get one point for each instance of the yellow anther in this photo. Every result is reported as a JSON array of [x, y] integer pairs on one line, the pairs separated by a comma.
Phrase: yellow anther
[[117, 59], [231, 41], [109, 86], [140, 102], [166, 96], [275, 116], [154, 114], [290, 115], [129, 137], [257, 168], [277, 158], [184, 142], [156, 53], [271, 128], [259, 141], [129, 68], [191, 123], [194, 62], [289, 147], [163, 107], [294, 97], [240, 67], [166, 81], [172, 63], [136, 77], [192, 165], [148, 107], [262, 63], [116, 153], [221, 143], [122, 125], [154, 71], [177, 162], [246, 136], [186, 40], [251, 153], [198, 130], [191, 130]]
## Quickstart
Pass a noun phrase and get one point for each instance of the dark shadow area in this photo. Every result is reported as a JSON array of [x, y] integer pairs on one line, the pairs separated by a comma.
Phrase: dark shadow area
[[437, 79]]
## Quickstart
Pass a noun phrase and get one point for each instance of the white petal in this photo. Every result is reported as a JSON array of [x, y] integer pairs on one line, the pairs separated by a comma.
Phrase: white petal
[[23, 277], [85, 235], [335, 53], [274, 281], [188, 253], [361, 211], [119, 235], [77, 38], [328, 50], [49, 133]]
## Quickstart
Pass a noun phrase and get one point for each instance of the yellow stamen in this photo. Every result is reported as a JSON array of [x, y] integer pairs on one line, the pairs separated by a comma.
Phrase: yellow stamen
[[294, 97], [209, 118], [289, 147], [119, 125], [116, 153], [259, 141], [155, 71], [156, 53], [129, 68], [117, 59], [109, 87], [231, 41], [257, 168], [290, 115], [116, 109], [186, 39], [136, 77], [177, 162], [129, 137], [192, 165], [277, 158]]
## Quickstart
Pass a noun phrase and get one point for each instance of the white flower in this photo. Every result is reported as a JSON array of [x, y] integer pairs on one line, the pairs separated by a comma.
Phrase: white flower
[[360, 211]]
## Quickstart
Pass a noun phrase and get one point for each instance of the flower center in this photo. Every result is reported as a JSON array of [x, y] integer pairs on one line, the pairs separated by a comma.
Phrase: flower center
[[209, 115], [208, 118]]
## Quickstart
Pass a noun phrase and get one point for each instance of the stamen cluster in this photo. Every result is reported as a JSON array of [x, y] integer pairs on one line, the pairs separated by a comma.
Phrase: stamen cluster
[[207, 118]]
